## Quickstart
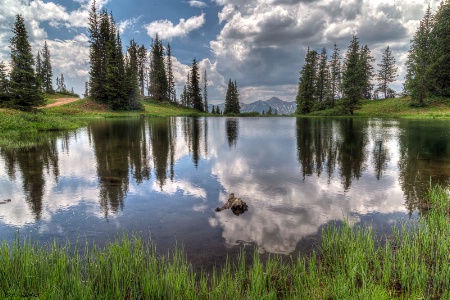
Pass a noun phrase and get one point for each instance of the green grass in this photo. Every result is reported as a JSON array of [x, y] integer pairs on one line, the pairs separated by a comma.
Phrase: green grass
[[415, 264], [435, 108]]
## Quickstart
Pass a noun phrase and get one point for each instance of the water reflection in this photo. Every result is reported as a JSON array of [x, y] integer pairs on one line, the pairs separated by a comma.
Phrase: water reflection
[[119, 147], [167, 175], [30, 165], [232, 131]]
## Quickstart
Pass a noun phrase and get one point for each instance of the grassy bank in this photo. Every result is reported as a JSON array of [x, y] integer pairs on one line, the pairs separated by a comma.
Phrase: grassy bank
[[414, 265], [435, 108]]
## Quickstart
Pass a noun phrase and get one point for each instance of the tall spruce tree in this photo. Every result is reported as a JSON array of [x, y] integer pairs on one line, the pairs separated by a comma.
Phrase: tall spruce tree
[[39, 73], [47, 73], [158, 79], [366, 64], [195, 90], [142, 61], [4, 82], [307, 91], [232, 105], [205, 90], [24, 86], [418, 81], [132, 76], [387, 72], [352, 78], [441, 50], [96, 82], [172, 95], [335, 75], [322, 80]]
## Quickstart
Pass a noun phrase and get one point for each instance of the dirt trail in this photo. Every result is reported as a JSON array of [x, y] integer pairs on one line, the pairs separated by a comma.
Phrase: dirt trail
[[61, 101]]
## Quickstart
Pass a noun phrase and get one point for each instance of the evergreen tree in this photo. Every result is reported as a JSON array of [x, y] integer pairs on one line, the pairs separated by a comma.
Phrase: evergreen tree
[[47, 73], [39, 73], [235, 106], [184, 97], [205, 90], [195, 90], [335, 75], [387, 72], [115, 81], [232, 105], [4, 82], [441, 50], [418, 81], [365, 63], [158, 79], [132, 76], [306, 95], [86, 90], [24, 85], [322, 80], [188, 98], [96, 81], [60, 84], [142, 61], [172, 95], [352, 78]]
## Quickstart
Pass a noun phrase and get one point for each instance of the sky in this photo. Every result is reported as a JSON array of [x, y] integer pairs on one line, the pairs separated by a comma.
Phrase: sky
[[259, 43]]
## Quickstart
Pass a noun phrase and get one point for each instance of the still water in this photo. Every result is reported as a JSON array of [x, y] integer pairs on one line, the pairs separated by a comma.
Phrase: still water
[[164, 177]]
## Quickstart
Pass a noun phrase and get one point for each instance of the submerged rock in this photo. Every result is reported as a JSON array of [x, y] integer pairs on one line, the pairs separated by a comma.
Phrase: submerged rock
[[5, 201], [236, 204]]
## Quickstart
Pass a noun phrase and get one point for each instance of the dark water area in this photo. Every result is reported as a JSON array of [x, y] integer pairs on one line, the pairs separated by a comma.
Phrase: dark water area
[[164, 177]]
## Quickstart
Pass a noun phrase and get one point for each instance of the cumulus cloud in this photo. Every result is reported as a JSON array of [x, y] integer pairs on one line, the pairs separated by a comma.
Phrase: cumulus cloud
[[167, 30]]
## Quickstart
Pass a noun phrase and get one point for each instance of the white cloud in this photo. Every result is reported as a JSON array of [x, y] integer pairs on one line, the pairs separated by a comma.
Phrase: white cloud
[[198, 4], [167, 30], [123, 25]]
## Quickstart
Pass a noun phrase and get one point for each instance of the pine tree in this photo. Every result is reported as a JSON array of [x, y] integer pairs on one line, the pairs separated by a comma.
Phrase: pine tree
[[418, 81], [60, 84], [307, 91], [96, 82], [441, 50], [24, 85], [158, 79], [232, 105], [132, 77], [387, 72], [39, 73], [188, 98], [352, 77], [335, 75], [195, 90], [142, 61], [322, 80], [205, 90], [47, 73], [4, 82], [172, 95], [365, 63], [86, 90], [116, 86]]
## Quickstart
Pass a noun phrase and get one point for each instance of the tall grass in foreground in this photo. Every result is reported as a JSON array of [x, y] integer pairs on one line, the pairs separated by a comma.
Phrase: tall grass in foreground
[[414, 265]]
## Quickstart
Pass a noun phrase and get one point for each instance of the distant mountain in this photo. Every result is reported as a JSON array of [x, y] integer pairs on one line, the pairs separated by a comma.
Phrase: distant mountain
[[279, 106]]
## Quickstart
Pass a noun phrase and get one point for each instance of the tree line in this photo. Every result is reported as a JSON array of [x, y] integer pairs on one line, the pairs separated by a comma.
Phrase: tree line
[[325, 84], [29, 77]]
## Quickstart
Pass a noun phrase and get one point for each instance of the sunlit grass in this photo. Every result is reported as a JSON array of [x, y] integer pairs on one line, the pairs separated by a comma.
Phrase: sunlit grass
[[434, 108], [413, 265]]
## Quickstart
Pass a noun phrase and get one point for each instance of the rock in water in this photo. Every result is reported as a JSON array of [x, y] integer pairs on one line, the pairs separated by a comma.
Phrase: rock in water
[[236, 204]]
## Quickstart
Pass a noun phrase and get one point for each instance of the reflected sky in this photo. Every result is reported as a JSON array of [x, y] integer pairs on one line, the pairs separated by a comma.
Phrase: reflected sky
[[165, 177]]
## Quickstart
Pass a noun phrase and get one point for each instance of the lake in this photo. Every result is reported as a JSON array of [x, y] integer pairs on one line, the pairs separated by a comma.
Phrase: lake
[[164, 177]]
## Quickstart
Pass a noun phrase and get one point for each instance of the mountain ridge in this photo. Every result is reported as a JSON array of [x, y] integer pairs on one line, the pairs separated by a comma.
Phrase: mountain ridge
[[278, 106]]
